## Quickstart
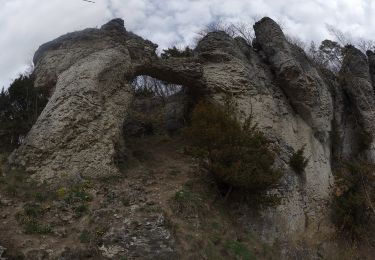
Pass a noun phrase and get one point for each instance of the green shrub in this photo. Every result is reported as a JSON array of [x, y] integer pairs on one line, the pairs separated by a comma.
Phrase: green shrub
[[353, 210], [20, 106], [33, 210], [16, 183], [176, 53], [298, 162], [187, 202], [237, 154], [76, 198], [85, 236], [240, 250], [80, 210], [33, 226], [76, 194], [30, 217], [144, 92]]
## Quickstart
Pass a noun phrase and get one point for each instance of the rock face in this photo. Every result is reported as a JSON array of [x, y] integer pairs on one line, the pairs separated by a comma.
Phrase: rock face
[[293, 102], [296, 75], [357, 83], [79, 131]]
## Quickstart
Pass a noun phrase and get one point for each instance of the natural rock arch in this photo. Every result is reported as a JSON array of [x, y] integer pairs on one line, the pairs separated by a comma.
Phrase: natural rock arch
[[89, 74]]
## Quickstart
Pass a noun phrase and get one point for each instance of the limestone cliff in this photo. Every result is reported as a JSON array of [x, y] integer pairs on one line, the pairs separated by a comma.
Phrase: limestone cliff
[[294, 103]]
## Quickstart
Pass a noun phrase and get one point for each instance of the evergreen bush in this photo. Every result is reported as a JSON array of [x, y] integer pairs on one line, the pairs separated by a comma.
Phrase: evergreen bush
[[237, 154]]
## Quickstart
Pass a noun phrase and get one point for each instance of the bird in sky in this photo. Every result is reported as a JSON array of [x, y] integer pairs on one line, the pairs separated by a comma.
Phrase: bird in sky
[[89, 1]]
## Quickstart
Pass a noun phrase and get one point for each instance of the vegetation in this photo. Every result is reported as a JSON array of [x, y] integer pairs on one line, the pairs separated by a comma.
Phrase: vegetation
[[29, 219], [187, 202], [210, 230], [328, 55], [176, 53], [20, 106], [76, 198], [240, 250], [237, 154], [298, 162], [146, 86], [354, 199], [16, 184]]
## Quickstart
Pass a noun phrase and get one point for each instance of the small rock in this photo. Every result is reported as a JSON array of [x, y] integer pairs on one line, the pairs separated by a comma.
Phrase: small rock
[[6, 202], [2, 251]]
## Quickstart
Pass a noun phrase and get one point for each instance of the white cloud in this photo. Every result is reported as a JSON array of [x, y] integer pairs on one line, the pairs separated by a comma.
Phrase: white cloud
[[26, 24]]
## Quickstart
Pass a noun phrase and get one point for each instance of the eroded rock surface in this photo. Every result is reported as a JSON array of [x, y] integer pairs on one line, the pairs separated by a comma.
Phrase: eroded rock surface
[[356, 81], [78, 131]]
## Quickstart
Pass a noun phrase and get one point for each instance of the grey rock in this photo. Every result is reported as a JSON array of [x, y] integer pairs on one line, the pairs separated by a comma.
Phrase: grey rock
[[2, 251], [176, 110], [89, 74], [355, 79], [78, 131], [148, 238], [296, 75], [371, 61]]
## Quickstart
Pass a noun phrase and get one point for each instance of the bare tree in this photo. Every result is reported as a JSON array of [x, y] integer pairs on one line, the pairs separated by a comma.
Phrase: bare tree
[[344, 39], [144, 85], [364, 45], [294, 40], [328, 55], [237, 29]]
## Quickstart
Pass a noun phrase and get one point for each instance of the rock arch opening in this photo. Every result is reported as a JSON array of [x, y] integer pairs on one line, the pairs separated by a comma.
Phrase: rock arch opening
[[158, 107], [157, 111]]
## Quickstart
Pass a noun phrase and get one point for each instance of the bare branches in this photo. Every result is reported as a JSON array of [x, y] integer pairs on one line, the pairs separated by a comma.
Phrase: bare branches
[[344, 39], [341, 37], [144, 85], [237, 29], [296, 41]]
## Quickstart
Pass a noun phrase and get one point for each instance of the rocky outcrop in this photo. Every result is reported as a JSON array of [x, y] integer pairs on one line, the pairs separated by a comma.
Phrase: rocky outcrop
[[297, 76], [292, 101], [356, 82], [79, 130]]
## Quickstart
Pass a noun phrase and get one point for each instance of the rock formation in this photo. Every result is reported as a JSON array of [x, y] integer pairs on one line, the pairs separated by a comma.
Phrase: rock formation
[[293, 102]]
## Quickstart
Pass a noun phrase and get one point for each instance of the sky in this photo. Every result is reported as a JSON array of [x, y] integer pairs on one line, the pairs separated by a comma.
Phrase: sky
[[26, 24]]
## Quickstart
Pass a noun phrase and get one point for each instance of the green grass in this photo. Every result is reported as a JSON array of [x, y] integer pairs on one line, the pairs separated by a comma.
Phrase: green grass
[[32, 226], [85, 237], [30, 219], [240, 250], [33, 210], [76, 197], [16, 183], [187, 202]]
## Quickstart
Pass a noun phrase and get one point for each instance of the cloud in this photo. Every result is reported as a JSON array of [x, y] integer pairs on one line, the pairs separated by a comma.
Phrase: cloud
[[26, 24]]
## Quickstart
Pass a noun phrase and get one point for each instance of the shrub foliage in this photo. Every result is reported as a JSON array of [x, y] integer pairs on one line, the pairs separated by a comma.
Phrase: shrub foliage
[[20, 106], [354, 199], [237, 154], [176, 53], [298, 162]]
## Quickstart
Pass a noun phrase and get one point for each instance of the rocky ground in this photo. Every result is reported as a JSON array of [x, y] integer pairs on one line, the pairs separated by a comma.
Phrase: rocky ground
[[162, 207]]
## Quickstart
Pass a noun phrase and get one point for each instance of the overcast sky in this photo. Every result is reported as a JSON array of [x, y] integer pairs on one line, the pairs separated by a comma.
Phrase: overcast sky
[[26, 24]]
